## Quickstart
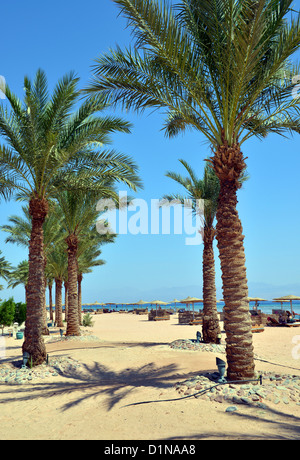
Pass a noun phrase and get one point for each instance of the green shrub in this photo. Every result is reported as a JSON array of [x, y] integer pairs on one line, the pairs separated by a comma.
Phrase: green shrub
[[7, 312], [20, 313], [87, 320]]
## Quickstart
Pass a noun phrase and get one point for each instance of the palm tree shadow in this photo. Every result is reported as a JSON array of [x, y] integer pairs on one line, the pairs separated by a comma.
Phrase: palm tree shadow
[[117, 385], [96, 380]]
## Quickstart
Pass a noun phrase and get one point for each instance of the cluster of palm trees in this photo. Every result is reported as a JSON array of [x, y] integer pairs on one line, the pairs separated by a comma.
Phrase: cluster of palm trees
[[55, 251], [220, 67], [53, 158]]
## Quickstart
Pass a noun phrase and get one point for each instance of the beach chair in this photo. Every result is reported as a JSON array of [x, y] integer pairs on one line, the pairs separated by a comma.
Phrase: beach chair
[[274, 323]]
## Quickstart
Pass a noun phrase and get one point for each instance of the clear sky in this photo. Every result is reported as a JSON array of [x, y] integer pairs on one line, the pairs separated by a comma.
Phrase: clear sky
[[60, 36]]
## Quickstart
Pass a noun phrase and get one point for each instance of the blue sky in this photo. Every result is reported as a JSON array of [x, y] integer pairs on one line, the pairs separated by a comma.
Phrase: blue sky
[[62, 36]]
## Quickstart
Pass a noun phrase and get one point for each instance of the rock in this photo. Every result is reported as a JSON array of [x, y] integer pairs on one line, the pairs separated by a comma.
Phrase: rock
[[231, 409]]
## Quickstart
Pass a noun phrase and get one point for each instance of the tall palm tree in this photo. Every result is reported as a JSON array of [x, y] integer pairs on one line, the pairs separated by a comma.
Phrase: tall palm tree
[[19, 231], [50, 281], [57, 268], [223, 68], [79, 217], [48, 148], [206, 189]]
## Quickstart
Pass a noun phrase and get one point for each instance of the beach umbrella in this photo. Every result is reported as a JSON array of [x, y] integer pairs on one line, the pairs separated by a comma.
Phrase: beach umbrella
[[158, 302], [290, 298], [141, 302], [256, 300], [191, 300], [281, 302], [175, 301]]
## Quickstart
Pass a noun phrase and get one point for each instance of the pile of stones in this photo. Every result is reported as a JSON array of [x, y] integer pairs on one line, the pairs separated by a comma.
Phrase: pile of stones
[[193, 345], [275, 388], [13, 373]]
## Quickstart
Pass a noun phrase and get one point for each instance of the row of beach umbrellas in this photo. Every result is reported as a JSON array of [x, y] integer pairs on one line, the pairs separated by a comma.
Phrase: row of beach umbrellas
[[193, 300], [188, 300], [281, 300]]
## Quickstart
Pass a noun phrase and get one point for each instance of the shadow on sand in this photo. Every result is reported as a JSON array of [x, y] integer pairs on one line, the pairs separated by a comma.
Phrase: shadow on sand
[[113, 386]]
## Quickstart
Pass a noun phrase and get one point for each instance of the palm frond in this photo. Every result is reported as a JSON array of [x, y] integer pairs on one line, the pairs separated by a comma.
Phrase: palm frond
[[213, 65]]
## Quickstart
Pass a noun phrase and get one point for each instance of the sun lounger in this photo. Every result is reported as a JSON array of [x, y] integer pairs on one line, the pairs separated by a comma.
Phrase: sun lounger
[[273, 322]]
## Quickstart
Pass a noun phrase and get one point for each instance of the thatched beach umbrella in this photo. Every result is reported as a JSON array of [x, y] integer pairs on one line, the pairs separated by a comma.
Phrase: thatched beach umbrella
[[191, 300], [281, 302], [158, 302], [290, 298], [175, 301], [256, 300]]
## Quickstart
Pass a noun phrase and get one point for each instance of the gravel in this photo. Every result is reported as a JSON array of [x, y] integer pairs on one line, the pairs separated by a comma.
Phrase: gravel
[[275, 388], [13, 373]]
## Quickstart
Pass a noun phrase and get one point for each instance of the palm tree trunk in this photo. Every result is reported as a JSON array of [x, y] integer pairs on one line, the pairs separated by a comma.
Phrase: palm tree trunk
[[210, 327], [79, 282], [45, 329], [34, 343], [50, 301], [228, 164], [58, 302], [66, 300], [73, 322]]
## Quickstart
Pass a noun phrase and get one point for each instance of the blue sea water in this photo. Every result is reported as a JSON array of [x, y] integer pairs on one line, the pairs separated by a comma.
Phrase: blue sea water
[[265, 307]]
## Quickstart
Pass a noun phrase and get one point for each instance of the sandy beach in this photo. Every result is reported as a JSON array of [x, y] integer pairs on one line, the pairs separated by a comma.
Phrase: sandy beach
[[130, 362]]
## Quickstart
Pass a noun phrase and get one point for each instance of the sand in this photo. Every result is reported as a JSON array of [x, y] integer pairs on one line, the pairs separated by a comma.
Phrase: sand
[[131, 363]]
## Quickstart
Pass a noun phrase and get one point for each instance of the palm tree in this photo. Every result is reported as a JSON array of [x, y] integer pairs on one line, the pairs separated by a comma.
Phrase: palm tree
[[57, 268], [88, 256], [50, 281], [79, 217], [206, 189], [222, 68], [48, 148], [19, 230]]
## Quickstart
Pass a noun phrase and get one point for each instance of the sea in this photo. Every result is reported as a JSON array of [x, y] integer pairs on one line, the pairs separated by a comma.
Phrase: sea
[[265, 307]]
